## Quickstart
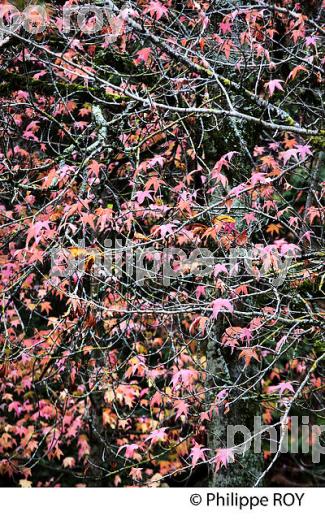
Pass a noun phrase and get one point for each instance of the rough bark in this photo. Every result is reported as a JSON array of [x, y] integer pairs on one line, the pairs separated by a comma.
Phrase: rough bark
[[247, 467]]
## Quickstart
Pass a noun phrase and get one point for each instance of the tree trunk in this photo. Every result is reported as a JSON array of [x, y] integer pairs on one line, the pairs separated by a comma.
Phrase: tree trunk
[[245, 470]]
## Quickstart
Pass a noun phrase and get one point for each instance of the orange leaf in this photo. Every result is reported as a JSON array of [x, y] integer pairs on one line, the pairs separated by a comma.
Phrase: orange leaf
[[273, 229], [248, 354]]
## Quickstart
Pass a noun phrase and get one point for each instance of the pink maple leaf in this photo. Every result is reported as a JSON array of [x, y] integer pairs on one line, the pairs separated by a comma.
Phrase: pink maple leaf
[[35, 231], [16, 406], [129, 450], [182, 408], [281, 387], [274, 84], [306, 236], [219, 305], [136, 473], [197, 453], [258, 150], [156, 9], [200, 291], [280, 343], [225, 26], [186, 376], [219, 268], [259, 177], [245, 334], [80, 125], [142, 195], [216, 171], [159, 435], [274, 146], [304, 150], [223, 457], [237, 190], [286, 248], [166, 229], [287, 154], [28, 134], [157, 159], [143, 55], [249, 217], [311, 40]]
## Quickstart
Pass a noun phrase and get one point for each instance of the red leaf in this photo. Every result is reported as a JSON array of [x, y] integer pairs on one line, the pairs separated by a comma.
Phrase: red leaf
[[157, 9], [143, 55]]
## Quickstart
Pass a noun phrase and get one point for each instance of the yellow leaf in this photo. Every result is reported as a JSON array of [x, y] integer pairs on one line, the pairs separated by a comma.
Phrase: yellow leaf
[[25, 483], [224, 218], [77, 251]]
